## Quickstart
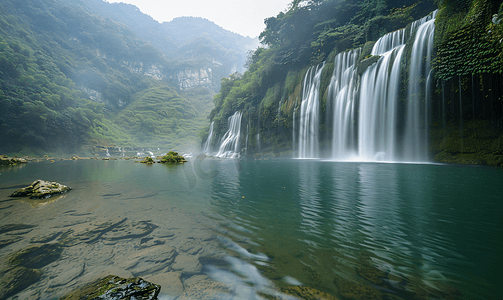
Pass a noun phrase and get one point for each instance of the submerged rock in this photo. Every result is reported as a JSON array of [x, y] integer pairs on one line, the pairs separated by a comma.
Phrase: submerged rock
[[114, 287], [15, 227], [17, 279], [355, 290], [308, 293], [35, 256], [41, 189]]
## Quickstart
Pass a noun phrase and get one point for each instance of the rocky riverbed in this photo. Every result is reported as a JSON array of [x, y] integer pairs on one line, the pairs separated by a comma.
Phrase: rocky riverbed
[[62, 243]]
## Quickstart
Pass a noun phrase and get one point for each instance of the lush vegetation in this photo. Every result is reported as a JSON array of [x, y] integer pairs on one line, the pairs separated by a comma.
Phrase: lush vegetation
[[187, 42], [467, 122], [71, 78], [307, 33]]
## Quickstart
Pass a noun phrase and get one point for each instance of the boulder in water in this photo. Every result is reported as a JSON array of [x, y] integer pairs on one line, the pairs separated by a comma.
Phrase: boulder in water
[[41, 189], [114, 287]]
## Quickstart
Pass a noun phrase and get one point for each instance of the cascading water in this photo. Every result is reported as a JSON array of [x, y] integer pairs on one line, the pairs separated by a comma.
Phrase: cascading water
[[378, 103], [376, 136], [415, 147], [207, 144], [309, 114], [343, 90], [229, 145]]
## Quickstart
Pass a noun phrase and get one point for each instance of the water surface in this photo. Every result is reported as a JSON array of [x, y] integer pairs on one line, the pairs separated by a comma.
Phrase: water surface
[[387, 231]]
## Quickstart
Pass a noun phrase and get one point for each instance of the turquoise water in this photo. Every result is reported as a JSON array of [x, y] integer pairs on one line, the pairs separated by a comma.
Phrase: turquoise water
[[392, 231], [407, 230]]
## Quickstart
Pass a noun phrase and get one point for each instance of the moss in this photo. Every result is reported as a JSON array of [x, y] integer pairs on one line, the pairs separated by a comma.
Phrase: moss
[[114, 287], [172, 158], [308, 293], [367, 62], [479, 145], [354, 290], [147, 160]]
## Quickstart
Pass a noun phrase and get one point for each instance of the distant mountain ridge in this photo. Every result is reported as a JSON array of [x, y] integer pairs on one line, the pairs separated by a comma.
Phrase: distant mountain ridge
[[70, 77], [170, 37]]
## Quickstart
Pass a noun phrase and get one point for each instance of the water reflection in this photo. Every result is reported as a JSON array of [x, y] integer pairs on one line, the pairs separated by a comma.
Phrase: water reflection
[[391, 229]]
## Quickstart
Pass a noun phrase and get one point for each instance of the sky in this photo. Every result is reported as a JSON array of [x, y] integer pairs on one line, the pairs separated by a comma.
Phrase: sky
[[245, 17]]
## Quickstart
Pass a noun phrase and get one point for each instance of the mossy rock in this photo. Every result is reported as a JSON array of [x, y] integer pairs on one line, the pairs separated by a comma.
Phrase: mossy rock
[[308, 293], [35, 256], [12, 161], [356, 291], [41, 189], [17, 279], [367, 62], [173, 158], [371, 274], [147, 160], [114, 287]]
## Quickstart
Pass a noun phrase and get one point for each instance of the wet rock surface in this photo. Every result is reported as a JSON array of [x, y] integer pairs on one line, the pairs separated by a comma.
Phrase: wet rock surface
[[114, 288], [17, 279], [41, 189]]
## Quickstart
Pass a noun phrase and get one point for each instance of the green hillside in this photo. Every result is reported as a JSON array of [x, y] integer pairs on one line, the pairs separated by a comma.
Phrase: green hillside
[[467, 75], [69, 78]]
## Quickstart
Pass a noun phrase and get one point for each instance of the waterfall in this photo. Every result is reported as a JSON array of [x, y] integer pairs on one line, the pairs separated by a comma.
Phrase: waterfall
[[207, 144], [309, 114], [397, 38], [229, 144], [378, 103], [415, 144], [365, 111], [342, 91]]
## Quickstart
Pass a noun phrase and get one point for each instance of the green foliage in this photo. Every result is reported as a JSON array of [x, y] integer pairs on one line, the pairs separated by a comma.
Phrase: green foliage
[[147, 160], [55, 57], [308, 32], [467, 40], [172, 158]]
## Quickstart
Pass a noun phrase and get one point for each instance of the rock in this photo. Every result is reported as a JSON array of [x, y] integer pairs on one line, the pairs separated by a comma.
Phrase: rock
[[170, 282], [14, 227], [191, 247], [354, 290], [65, 272], [187, 264], [41, 189], [130, 229], [194, 279], [4, 160], [35, 256], [89, 233], [17, 279], [308, 293], [147, 160], [115, 288], [148, 260], [207, 289], [9, 240], [45, 238]]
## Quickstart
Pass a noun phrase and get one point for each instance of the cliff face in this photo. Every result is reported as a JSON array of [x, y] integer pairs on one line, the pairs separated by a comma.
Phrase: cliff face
[[463, 117], [195, 78], [467, 116]]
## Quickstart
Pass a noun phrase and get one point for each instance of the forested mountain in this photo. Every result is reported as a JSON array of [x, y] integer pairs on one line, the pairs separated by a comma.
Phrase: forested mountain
[[70, 77], [463, 116], [228, 50]]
